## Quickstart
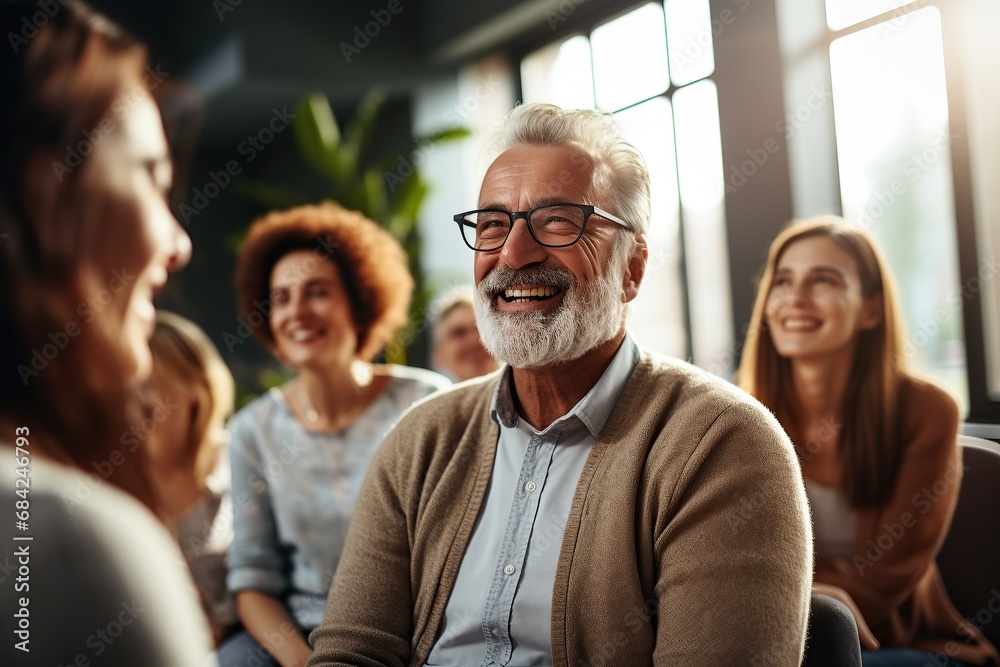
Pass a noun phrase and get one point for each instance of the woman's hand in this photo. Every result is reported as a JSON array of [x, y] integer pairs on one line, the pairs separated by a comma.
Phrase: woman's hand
[[868, 640], [269, 623]]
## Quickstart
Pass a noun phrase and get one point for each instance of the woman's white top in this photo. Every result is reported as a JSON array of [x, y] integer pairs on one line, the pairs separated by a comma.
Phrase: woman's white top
[[833, 521], [100, 581]]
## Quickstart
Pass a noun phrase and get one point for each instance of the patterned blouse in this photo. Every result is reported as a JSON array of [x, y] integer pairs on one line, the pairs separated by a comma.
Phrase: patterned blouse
[[293, 491]]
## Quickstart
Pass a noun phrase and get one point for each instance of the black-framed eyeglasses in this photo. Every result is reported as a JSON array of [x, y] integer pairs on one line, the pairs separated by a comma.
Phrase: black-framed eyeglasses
[[551, 225]]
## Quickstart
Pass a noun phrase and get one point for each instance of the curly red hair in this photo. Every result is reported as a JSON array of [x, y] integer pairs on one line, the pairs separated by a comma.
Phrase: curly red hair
[[371, 263]]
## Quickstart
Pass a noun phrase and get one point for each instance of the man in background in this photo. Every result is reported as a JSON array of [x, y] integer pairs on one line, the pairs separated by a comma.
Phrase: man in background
[[458, 352]]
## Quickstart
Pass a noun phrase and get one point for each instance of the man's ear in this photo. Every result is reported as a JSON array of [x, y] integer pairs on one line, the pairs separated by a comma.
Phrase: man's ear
[[873, 312], [635, 270]]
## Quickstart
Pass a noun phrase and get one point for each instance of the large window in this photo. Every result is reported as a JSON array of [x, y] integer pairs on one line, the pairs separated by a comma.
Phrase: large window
[[652, 68], [914, 143], [894, 148], [889, 118]]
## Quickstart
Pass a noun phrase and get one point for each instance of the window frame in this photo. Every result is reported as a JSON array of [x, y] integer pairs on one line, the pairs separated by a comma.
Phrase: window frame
[[751, 97], [983, 409]]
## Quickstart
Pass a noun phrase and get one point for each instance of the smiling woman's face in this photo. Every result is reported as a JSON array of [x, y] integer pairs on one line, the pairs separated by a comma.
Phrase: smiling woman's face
[[815, 306], [133, 165], [310, 315]]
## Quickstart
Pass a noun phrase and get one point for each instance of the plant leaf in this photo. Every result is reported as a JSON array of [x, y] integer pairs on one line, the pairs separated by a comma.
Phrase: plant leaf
[[378, 201], [444, 136], [318, 135], [271, 196], [406, 206], [361, 127]]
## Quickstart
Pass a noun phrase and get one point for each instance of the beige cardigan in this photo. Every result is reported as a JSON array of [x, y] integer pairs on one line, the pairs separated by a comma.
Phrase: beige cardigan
[[661, 562]]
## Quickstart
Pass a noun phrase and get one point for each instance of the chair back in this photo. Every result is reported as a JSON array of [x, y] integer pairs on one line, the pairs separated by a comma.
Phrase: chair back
[[969, 559]]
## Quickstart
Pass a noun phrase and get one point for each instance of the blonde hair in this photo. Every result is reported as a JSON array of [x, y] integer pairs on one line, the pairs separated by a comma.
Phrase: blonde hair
[[870, 449], [447, 301], [184, 352]]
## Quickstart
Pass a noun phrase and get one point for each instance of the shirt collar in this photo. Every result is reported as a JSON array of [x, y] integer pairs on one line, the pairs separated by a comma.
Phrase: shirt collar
[[594, 409]]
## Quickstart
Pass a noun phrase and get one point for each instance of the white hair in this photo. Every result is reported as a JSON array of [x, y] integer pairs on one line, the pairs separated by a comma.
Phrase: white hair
[[445, 303], [620, 171]]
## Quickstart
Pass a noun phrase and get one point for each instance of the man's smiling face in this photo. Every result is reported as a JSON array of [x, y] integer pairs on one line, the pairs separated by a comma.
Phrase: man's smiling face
[[527, 176], [538, 306]]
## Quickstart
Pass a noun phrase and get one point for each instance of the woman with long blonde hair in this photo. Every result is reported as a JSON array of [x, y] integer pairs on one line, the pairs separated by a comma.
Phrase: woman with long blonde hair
[[824, 353], [190, 473]]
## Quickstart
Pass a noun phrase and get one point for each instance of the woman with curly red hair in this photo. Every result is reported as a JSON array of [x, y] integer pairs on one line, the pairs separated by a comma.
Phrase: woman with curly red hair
[[333, 288], [824, 353]]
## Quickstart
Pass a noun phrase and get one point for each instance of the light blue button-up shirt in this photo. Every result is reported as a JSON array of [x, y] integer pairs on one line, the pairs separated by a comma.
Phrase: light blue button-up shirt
[[500, 608]]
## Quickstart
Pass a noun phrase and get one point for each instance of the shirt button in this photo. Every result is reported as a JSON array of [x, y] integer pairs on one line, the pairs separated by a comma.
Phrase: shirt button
[[508, 570], [530, 486]]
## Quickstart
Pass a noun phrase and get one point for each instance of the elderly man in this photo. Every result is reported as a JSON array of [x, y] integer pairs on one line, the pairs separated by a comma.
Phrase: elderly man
[[458, 350], [591, 503]]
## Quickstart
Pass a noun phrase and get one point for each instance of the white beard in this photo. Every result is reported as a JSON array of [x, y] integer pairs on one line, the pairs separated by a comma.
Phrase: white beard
[[587, 317]]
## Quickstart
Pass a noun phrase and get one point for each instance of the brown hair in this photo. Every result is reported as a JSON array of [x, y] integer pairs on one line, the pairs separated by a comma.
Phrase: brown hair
[[870, 448], [183, 352], [372, 266], [64, 367]]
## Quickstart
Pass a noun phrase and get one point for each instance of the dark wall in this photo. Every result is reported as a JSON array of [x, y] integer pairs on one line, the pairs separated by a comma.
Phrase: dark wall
[[748, 76], [231, 74], [239, 65]]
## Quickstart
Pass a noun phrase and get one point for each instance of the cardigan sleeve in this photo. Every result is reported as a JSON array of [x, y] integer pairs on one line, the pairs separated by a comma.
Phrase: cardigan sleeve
[[734, 559], [368, 617], [911, 526]]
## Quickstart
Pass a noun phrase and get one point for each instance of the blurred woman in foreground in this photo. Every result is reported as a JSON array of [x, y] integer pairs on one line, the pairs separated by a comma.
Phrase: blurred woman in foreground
[[823, 352], [86, 240]]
